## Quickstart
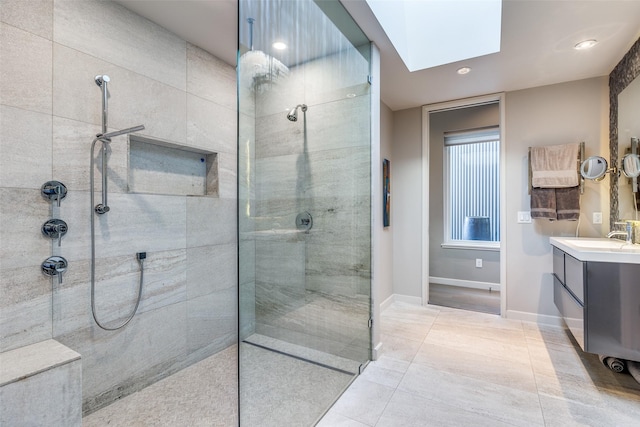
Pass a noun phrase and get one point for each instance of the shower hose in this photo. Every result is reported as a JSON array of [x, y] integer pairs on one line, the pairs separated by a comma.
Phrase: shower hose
[[140, 256]]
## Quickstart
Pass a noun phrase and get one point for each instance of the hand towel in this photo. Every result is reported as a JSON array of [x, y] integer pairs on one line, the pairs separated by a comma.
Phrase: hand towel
[[543, 203], [568, 203], [554, 166]]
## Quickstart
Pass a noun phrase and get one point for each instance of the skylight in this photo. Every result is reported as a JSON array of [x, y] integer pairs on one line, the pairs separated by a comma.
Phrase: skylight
[[428, 33]]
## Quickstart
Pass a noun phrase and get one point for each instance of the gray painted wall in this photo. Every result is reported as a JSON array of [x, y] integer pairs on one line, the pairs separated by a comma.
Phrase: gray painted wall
[[567, 112], [406, 202]]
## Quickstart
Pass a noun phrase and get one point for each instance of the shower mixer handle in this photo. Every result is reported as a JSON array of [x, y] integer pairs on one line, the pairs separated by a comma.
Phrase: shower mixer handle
[[54, 190], [55, 266], [55, 229]]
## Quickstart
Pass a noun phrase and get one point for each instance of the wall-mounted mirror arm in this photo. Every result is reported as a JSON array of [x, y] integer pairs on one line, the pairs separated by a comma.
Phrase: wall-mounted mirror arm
[[596, 167]]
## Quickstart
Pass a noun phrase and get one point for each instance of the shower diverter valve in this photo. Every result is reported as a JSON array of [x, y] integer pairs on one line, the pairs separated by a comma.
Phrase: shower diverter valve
[[304, 221]]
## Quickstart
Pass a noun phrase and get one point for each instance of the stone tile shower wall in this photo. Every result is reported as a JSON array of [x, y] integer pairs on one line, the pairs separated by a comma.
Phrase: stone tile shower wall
[[50, 110], [326, 175]]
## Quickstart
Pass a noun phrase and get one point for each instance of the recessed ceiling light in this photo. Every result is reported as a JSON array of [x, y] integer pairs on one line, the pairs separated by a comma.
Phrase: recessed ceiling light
[[351, 95], [586, 44], [464, 70], [279, 45]]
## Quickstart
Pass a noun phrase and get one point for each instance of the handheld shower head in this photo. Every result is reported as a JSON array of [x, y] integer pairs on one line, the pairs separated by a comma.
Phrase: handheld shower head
[[293, 114]]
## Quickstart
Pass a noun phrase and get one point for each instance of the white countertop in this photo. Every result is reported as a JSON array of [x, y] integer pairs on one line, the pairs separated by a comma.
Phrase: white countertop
[[598, 249]]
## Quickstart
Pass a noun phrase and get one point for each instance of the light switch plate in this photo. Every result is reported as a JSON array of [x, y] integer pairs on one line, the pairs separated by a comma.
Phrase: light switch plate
[[524, 217], [597, 217]]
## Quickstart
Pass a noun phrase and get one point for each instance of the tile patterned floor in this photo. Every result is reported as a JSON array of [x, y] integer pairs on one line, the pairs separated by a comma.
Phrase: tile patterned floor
[[205, 394], [439, 367], [448, 367]]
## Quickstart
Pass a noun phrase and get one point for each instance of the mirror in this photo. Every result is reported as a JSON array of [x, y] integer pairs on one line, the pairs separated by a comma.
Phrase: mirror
[[624, 101], [595, 167], [630, 166]]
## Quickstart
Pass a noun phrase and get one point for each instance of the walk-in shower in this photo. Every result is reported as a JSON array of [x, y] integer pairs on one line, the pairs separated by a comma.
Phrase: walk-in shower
[[304, 209], [105, 139]]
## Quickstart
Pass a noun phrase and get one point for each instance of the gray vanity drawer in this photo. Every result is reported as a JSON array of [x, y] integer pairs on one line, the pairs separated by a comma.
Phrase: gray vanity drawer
[[574, 276], [572, 311], [558, 264]]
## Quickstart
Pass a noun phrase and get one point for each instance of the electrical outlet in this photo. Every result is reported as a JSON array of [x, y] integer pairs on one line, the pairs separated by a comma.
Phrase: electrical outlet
[[479, 262], [597, 217]]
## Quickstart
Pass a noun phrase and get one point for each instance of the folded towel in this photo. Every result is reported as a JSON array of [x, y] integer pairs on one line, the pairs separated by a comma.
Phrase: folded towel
[[543, 203], [554, 166], [568, 203], [555, 203]]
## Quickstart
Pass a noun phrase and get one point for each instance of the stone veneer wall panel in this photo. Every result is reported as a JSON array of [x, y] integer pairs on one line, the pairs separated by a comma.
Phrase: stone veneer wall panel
[[51, 51], [327, 175]]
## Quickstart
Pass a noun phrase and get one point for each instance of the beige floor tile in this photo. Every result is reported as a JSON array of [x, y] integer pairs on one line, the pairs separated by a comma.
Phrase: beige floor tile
[[333, 419], [546, 333], [484, 398], [383, 376], [561, 413], [391, 363], [410, 410], [364, 401], [490, 367], [473, 319], [410, 329], [399, 348], [480, 344]]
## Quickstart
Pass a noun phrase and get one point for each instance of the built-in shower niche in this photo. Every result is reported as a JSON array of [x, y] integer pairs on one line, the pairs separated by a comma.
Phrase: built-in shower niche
[[162, 167]]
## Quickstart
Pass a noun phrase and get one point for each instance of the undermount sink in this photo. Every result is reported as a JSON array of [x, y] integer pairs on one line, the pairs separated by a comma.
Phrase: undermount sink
[[598, 249], [596, 243]]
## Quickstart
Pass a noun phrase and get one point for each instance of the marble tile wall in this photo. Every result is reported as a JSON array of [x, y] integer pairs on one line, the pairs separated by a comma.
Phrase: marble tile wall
[[319, 164], [50, 110]]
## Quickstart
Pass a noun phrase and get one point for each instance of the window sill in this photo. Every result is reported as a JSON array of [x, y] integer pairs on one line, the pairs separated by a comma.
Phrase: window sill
[[474, 245]]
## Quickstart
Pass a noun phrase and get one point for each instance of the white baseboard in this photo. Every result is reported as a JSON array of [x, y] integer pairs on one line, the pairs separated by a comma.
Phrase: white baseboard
[[386, 303], [377, 351], [465, 283], [399, 298], [543, 319], [407, 299]]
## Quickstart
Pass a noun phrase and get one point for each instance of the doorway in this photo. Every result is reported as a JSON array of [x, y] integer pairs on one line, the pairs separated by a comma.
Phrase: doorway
[[463, 155]]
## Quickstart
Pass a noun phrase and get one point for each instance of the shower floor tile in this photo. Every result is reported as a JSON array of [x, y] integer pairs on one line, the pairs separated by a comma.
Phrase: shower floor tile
[[302, 393], [204, 394]]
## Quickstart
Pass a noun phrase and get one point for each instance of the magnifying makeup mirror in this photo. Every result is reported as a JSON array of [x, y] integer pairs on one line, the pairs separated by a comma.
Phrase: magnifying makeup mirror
[[594, 167], [631, 165]]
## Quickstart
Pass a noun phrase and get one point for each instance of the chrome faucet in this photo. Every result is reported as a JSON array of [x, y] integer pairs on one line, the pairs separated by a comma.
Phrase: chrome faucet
[[627, 233]]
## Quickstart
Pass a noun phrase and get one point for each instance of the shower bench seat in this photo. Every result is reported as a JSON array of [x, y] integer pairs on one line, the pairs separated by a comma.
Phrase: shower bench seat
[[41, 384]]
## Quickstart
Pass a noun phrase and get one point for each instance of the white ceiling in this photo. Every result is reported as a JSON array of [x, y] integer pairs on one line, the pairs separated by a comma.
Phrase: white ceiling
[[537, 44]]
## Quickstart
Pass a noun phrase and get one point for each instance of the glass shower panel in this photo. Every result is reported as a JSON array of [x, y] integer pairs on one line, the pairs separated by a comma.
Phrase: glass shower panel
[[304, 208]]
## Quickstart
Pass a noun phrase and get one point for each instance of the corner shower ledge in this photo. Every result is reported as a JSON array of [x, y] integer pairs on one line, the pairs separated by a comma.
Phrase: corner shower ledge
[[24, 362]]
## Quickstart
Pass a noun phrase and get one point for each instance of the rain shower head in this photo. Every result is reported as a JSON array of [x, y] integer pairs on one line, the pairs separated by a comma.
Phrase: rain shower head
[[293, 114], [120, 132]]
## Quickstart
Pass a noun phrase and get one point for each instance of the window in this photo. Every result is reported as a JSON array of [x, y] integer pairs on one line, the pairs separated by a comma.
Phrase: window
[[472, 186]]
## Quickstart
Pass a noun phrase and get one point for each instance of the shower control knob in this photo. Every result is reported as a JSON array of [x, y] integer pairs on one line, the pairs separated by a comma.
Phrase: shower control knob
[[55, 229], [304, 221], [54, 190], [54, 266]]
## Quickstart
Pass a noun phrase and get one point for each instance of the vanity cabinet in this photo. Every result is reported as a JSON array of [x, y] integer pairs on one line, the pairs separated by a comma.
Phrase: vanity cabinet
[[600, 303]]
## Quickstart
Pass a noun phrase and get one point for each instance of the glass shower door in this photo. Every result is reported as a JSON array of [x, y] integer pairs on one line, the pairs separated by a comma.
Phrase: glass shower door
[[304, 208]]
